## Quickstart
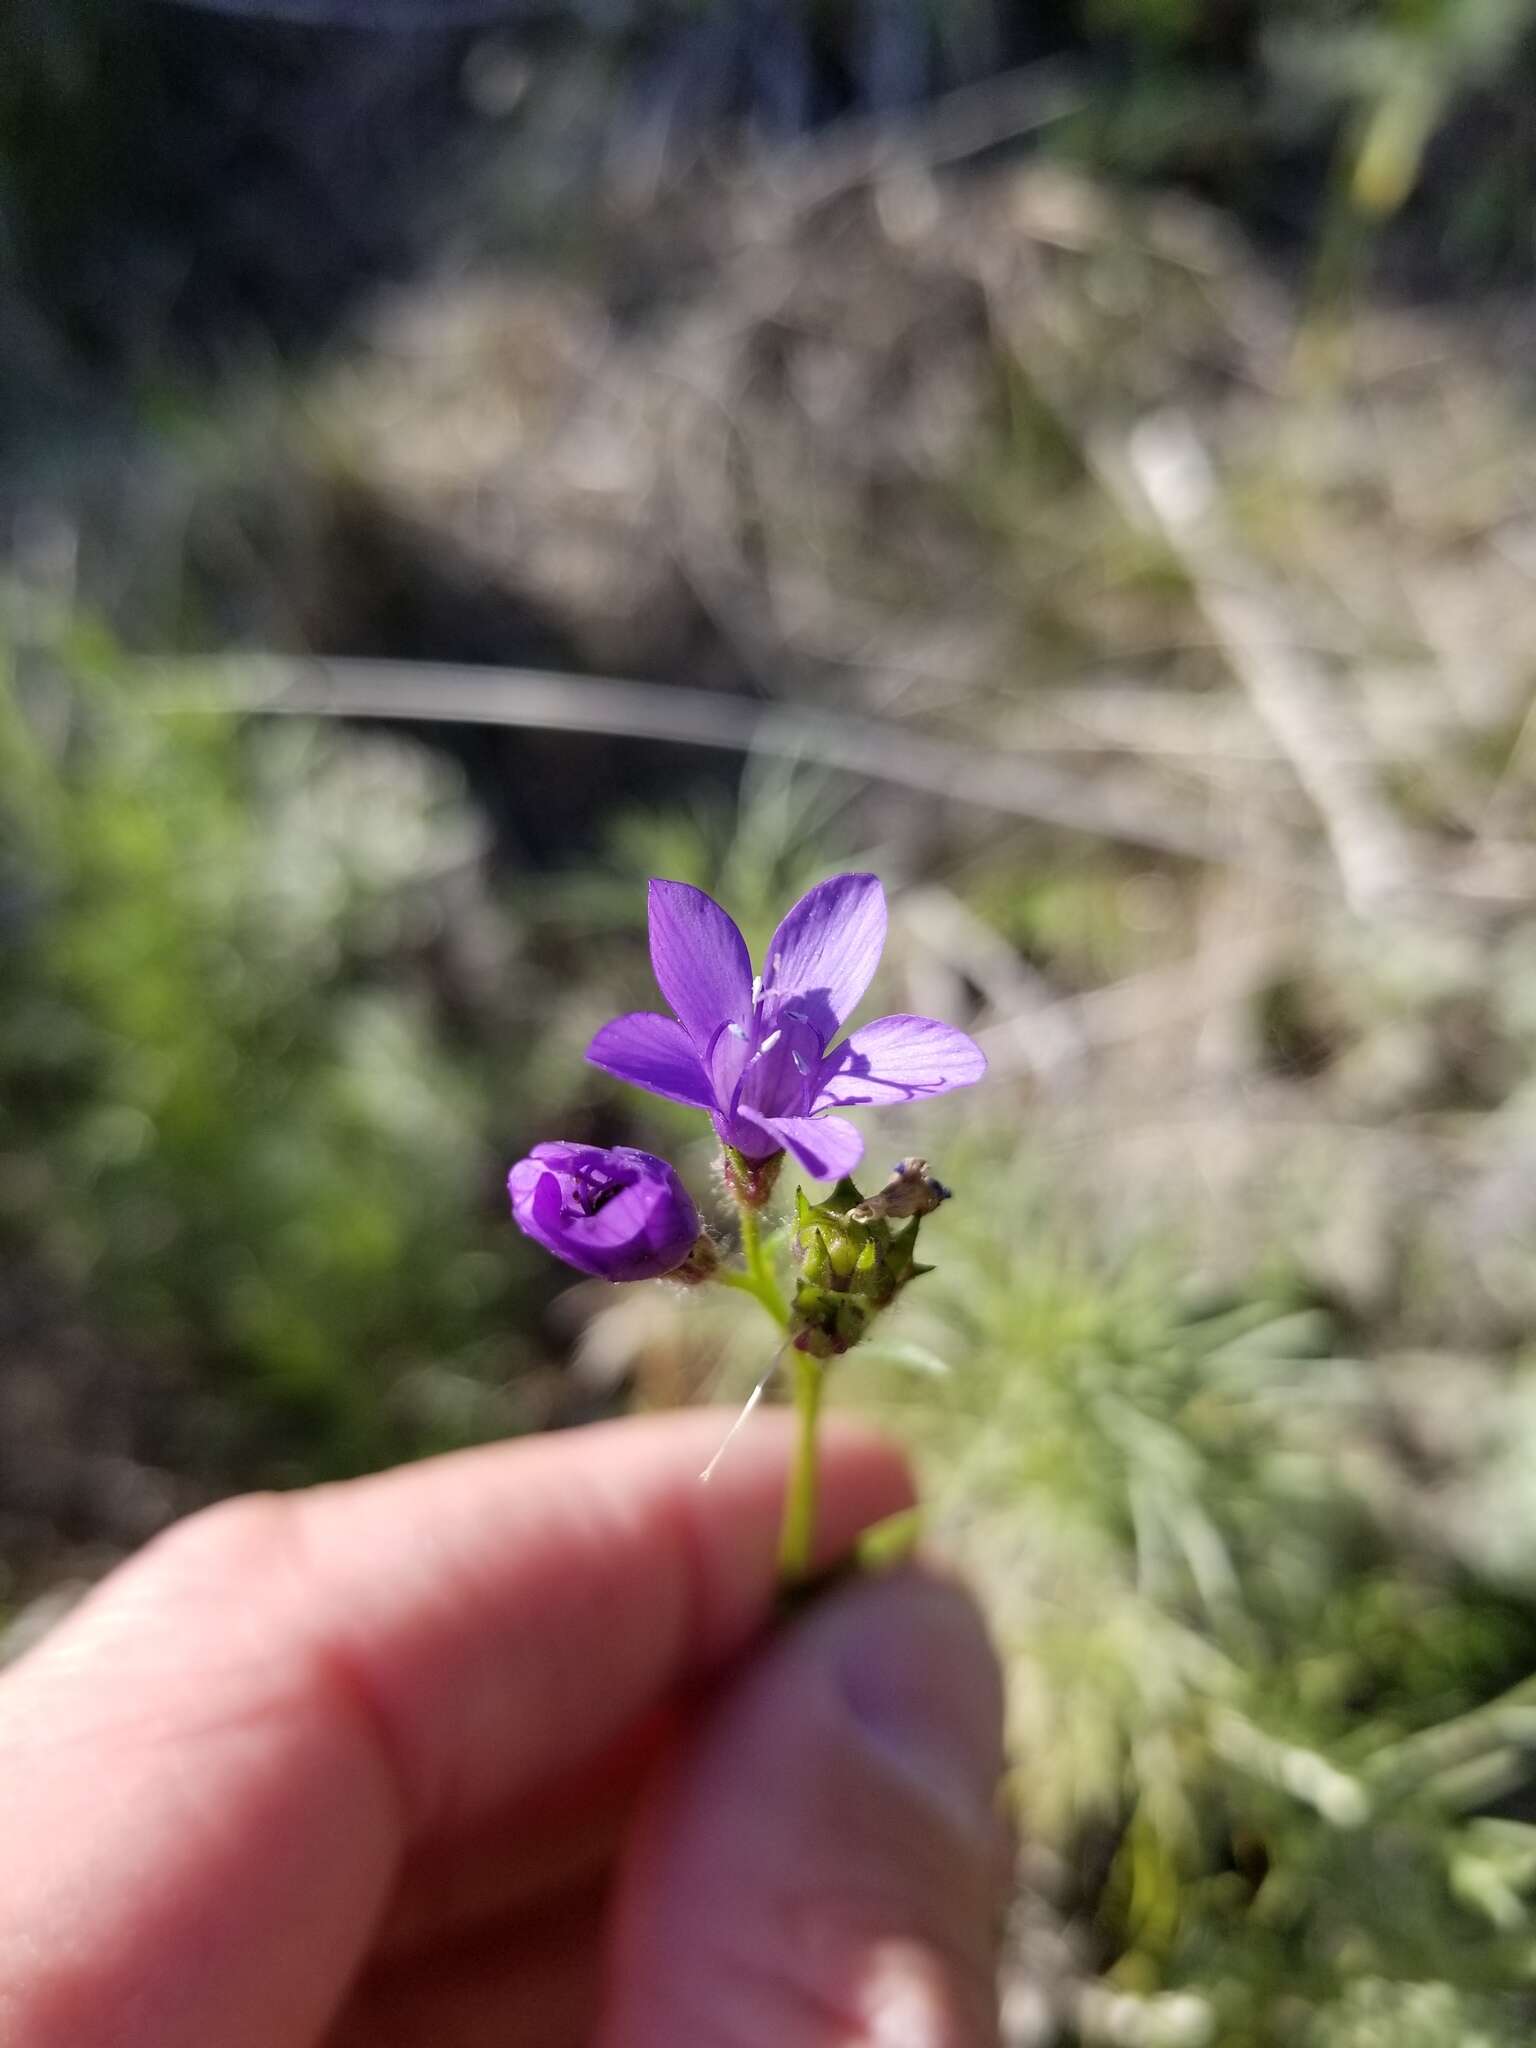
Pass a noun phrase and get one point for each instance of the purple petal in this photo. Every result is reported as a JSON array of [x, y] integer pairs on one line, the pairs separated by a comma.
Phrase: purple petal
[[701, 961], [826, 1146], [899, 1059], [822, 956], [643, 1233], [545, 1202], [750, 1138], [729, 1054], [653, 1052]]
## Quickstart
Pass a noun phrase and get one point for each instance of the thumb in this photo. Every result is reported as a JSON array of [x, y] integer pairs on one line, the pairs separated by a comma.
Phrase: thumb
[[820, 1865]]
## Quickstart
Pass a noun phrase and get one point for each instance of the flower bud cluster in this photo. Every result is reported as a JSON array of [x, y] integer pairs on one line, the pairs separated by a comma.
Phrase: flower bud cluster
[[850, 1269]]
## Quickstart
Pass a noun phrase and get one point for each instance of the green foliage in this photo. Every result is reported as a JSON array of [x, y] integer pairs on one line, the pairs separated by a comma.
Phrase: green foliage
[[1304, 111], [1252, 1718], [221, 1123]]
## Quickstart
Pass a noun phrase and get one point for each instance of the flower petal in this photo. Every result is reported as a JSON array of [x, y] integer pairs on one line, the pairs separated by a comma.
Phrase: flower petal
[[750, 1138], [545, 1204], [643, 1233], [899, 1059], [701, 961], [653, 1052], [725, 1064], [822, 956], [826, 1146]]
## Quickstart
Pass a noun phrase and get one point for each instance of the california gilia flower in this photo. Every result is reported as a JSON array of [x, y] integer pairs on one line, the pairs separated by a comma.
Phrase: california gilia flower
[[757, 1052]]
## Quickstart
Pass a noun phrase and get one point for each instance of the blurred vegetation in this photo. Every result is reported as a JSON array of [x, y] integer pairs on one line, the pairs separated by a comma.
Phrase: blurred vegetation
[[226, 1122], [126, 129], [1104, 500], [1266, 1796]]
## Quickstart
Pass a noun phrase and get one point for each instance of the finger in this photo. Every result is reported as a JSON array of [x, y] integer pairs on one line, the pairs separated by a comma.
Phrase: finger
[[819, 1868], [535, 1851], [241, 1734], [532, 1983]]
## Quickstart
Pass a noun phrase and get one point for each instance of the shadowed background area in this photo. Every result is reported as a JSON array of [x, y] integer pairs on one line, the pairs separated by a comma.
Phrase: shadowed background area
[[1075, 459]]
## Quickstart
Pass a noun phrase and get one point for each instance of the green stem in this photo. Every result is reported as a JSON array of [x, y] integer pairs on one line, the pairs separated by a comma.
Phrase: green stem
[[758, 1280], [797, 1536], [797, 1539]]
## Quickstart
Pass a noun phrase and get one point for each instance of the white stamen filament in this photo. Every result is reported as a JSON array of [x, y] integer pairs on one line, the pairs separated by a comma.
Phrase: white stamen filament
[[757, 988], [802, 1065], [736, 1031], [771, 1041], [751, 1402]]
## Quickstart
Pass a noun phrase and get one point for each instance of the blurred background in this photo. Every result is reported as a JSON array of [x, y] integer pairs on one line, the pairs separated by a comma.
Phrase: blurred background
[[461, 457]]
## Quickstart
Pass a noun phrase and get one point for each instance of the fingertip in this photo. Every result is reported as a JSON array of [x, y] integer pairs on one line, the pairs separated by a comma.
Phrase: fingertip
[[822, 1861], [914, 1662]]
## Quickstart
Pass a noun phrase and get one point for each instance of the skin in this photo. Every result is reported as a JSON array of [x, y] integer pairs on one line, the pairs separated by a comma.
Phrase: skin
[[505, 1748]]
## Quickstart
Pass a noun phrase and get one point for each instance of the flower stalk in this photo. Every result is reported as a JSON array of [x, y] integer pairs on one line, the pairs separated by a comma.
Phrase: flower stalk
[[758, 1279], [797, 1536], [760, 1055]]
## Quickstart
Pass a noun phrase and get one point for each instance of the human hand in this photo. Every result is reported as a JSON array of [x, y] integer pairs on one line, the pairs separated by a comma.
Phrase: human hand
[[496, 1749]]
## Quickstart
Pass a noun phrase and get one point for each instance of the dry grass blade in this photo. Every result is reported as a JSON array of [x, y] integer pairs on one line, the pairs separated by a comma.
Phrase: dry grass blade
[[881, 750], [1373, 855], [964, 123]]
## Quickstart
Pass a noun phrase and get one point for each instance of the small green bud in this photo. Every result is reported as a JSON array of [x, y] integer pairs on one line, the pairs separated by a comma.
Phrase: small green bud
[[816, 1260]]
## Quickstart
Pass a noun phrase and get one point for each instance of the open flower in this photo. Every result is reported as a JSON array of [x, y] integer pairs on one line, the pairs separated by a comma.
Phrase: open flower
[[613, 1212], [757, 1052]]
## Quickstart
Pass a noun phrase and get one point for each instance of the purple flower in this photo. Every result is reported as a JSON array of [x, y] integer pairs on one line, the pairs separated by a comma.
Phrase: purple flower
[[754, 1051], [612, 1212]]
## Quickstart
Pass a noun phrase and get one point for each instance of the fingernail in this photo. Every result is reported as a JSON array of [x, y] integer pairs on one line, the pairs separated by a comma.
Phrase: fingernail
[[922, 1682]]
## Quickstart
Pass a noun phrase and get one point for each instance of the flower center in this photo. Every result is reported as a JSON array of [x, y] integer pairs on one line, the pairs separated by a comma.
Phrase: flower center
[[769, 1070], [596, 1187]]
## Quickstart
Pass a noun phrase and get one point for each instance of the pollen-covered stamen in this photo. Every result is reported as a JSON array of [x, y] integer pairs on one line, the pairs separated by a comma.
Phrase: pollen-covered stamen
[[729, 1059], [779, 1080]]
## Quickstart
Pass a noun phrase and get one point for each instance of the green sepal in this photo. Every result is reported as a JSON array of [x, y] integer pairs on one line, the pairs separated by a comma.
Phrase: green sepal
[[815, 1259]]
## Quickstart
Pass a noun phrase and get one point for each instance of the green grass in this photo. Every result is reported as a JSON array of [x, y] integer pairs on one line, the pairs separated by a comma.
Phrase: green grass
[[1231, 1667]]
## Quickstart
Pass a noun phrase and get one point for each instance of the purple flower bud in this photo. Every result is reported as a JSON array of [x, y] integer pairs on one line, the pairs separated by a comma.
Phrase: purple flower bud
[[610, 1211]]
